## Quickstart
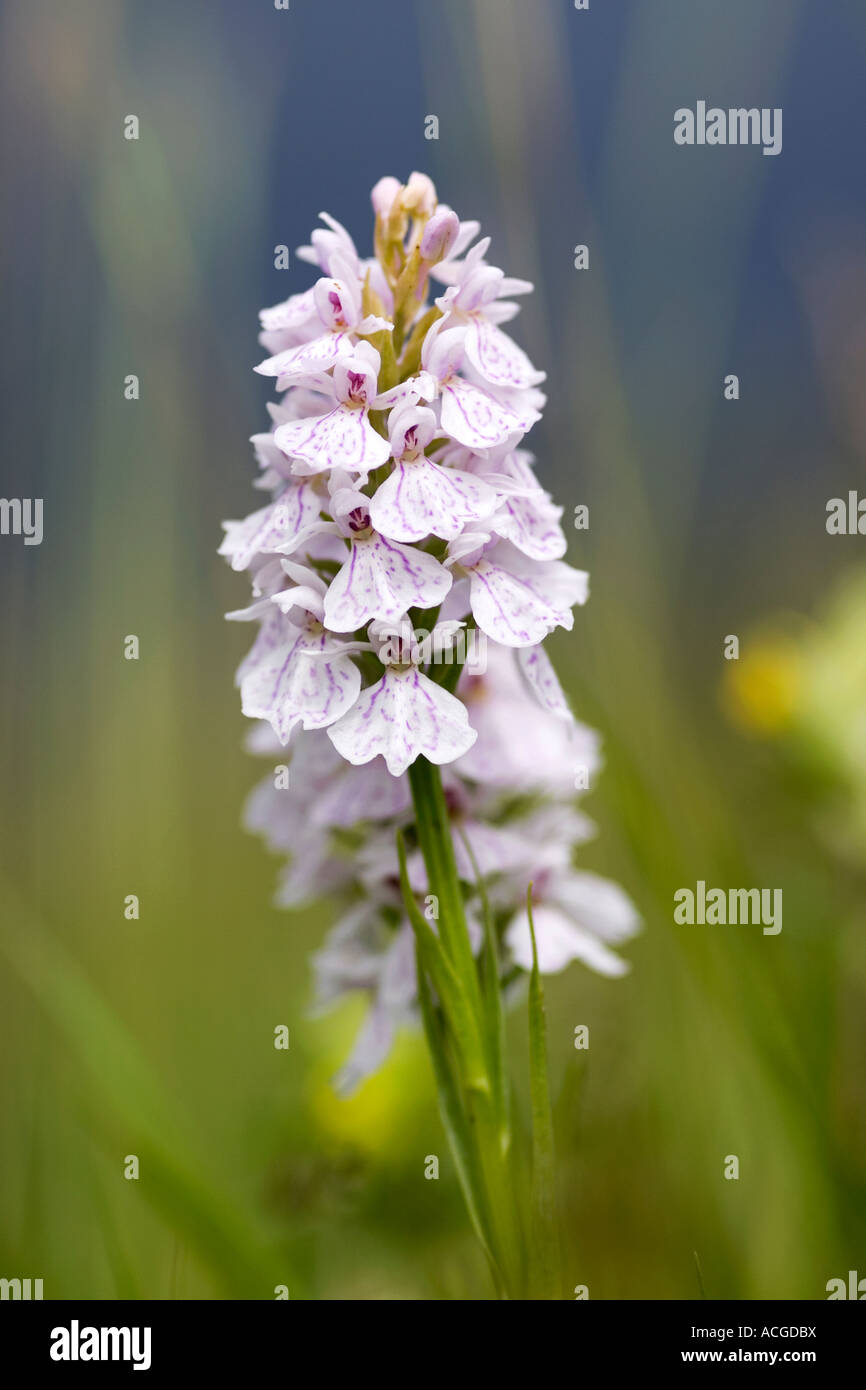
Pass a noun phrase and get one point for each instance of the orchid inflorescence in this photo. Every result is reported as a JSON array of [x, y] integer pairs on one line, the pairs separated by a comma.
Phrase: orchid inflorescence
[[405, 574]]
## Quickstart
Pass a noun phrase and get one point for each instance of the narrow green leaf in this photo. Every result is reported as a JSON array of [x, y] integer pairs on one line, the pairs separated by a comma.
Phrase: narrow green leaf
[[491, 997], [454, 1120], [545, 1281]]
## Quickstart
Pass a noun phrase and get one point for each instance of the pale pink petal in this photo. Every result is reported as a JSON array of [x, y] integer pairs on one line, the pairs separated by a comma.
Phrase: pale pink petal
[[549, 751], [372, 1045], [359, 794], [313, 872], [519, 610], [559, 941], [478, 420], [317, 355], [422, 387], [497, 358], [543, 680], [372, 323], [532, 524], [295, 685], [402, 717], [502, 311], [274, 632], [450, 271], [382, 579], [562, 583], [295, 315], [597, 904], [511, 285], [456, 602], [496, 850], [419, 499], [343, 438], [351, 956], [274, 529], [307, 598], [329, 247]]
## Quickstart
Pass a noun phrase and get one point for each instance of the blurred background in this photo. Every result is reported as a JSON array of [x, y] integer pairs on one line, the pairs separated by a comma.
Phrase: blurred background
[[707, 518]]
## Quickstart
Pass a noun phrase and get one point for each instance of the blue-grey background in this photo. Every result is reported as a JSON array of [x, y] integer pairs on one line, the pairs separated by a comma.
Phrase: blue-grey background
[[706, 519]]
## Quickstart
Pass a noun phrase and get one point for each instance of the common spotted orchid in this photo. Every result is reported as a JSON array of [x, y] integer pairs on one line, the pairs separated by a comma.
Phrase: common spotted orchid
[[405, 574]]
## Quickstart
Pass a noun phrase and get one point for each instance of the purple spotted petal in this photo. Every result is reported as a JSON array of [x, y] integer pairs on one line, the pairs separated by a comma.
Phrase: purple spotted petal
[[294, 316], [273, 530], [532, 524], [343, 438], [497, 358], [274, 631], [358, 794], [422, 387], [402, 717], [296, 684], [315, 356], [382, 579], [475, 418], [420, 499], [543, 681], [518, 602]]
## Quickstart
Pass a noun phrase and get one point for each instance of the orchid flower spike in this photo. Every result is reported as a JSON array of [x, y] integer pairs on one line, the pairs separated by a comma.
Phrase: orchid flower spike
[[405, 571]]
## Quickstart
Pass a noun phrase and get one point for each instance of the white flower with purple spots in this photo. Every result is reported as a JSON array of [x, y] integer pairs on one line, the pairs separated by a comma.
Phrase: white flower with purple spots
[[337, 304], [473, 413], [297, 673], [514, 600], [381, 579], [343, 437], [405, 715], [476, 302], [421, 498], [402, 516]]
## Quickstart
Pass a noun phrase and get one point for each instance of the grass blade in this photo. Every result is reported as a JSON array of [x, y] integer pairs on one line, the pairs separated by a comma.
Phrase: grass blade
[[454, 1120], [545, 1280], [493, 1012]]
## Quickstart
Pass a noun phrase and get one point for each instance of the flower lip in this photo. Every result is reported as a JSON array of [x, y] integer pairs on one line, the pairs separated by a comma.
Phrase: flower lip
[[357, 384], [338, 303]]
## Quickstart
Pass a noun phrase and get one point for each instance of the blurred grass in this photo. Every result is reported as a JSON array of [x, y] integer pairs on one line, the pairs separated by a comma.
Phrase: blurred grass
[[155, 1037]]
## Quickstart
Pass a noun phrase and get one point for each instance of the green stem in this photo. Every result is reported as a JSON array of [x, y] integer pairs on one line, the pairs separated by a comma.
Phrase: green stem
[[433, 825], [480, 1104]]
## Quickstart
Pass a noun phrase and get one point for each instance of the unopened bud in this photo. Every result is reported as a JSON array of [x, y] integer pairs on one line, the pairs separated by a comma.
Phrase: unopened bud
[[419, 195], [439, 235], [383, 195]]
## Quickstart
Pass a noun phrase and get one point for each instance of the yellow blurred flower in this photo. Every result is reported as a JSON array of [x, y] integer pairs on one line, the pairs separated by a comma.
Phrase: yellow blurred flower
[[762, 688], [384, 1113]]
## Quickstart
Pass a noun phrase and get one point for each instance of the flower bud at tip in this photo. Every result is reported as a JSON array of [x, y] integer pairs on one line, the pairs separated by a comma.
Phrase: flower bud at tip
[[383, 195], [439, 235], [419, 195]]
